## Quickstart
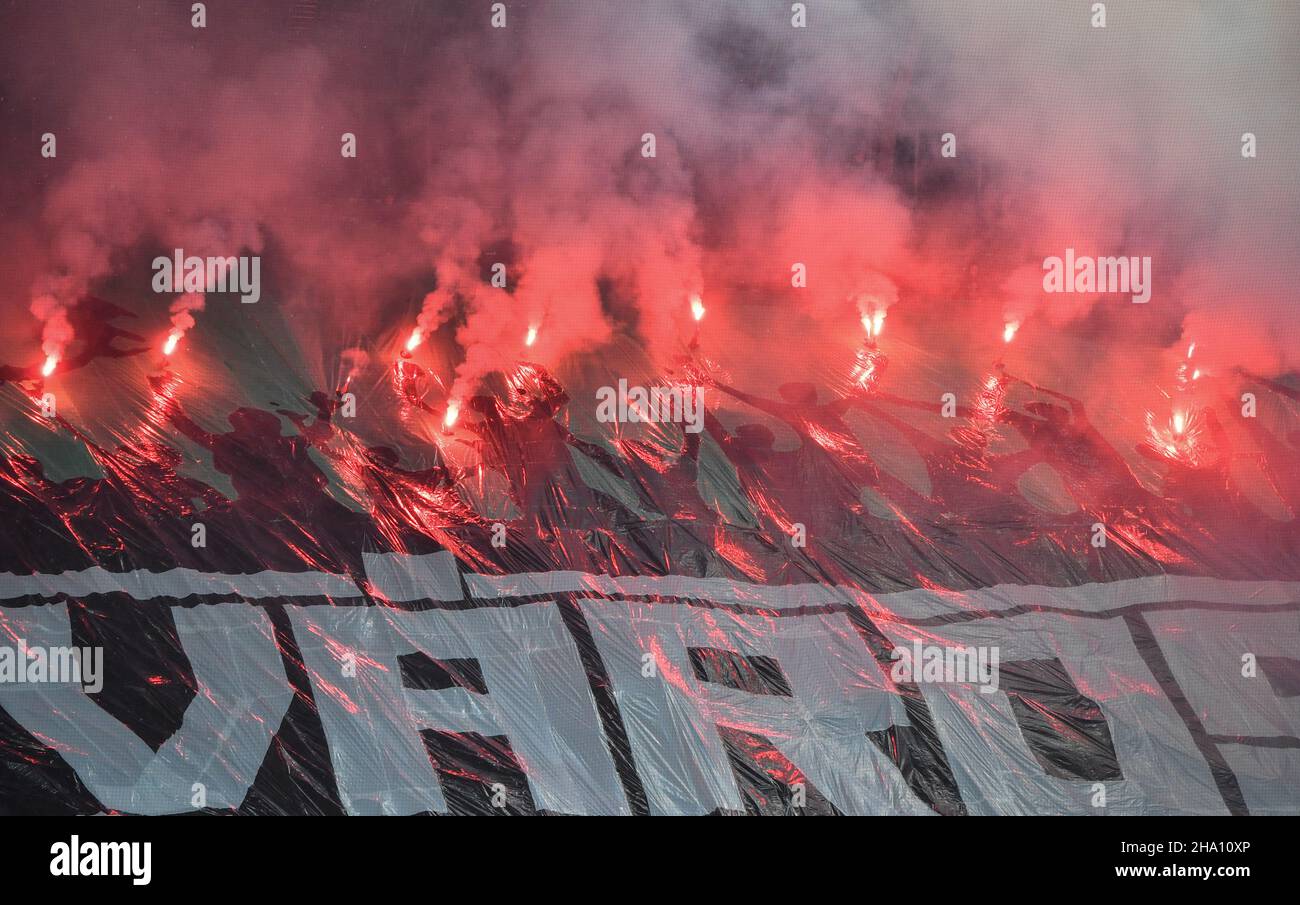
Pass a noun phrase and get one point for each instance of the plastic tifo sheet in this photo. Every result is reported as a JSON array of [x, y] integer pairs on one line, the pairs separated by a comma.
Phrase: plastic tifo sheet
[[301, 611], [649, 409]]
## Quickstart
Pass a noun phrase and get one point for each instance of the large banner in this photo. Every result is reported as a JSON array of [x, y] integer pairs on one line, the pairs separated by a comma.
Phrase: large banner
[[434, 690]]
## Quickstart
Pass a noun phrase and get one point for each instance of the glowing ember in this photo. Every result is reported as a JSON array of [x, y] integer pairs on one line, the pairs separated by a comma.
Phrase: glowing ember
[[697, 308], [531, 337], [990, 403], [51, 362], [869, 368], [414, 341], [170, 346], [1009, 331], [1180, 438], [453, 412]]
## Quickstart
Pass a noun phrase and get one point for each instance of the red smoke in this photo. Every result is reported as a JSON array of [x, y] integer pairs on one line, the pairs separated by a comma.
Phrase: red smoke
[[774, 147]]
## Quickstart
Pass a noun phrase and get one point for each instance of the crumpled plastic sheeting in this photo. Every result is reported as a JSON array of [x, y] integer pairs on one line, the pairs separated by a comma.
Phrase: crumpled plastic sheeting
[[528, 615]]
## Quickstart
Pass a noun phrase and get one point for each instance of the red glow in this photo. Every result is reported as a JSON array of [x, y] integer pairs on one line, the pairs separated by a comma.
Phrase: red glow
[[869, 367], [414, 341], [51, 362], [874, 324], [170, 345], [1181, 438], [990, 403], [697, 308]]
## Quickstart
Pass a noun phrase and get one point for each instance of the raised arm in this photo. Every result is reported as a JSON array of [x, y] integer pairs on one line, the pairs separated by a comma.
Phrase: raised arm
[[190, 428], [777, 409]]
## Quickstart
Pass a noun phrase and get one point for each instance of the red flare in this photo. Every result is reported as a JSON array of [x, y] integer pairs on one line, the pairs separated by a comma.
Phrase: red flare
[[1181, 438], [874, 324]]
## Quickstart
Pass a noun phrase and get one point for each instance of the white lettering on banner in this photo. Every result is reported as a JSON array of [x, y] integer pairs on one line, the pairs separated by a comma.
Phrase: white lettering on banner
[[539, 698]]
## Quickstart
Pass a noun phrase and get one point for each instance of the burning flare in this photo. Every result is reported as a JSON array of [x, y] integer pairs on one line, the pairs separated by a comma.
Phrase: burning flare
[[1180, 438], [531, 337], [453, 413], [51, 362], [1186, 373], [170, 345], [874, 324], [414, 341], [1009, 331], [697, 308]]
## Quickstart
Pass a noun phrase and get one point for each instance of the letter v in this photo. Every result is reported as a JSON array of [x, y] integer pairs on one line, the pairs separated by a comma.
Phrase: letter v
[[242, 696]]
